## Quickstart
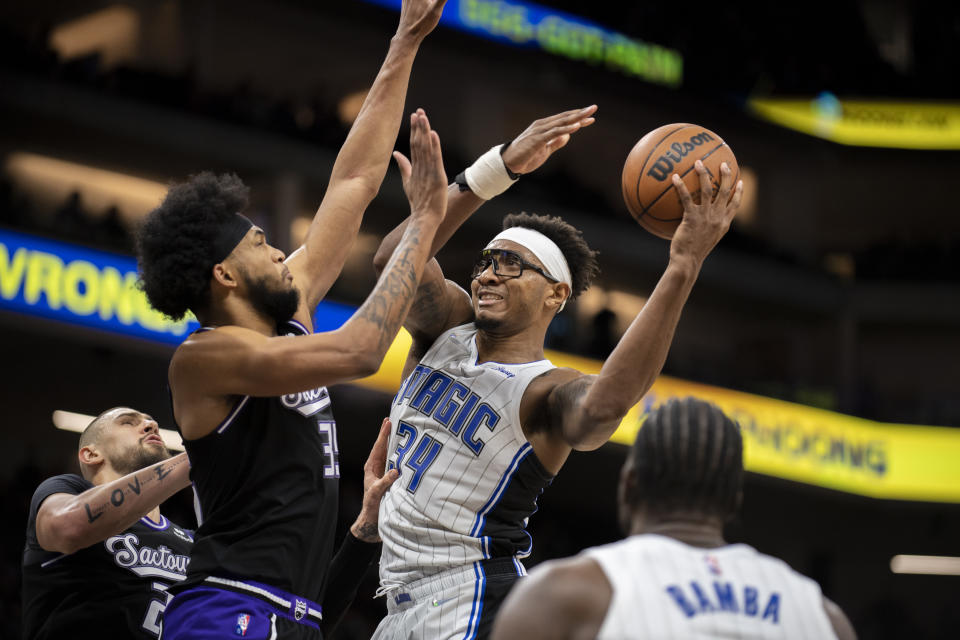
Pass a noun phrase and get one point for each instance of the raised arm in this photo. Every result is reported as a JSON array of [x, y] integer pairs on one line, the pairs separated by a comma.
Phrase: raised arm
[[234, 361], [441, 304], [362, 161], [68, 523], [587, 410]]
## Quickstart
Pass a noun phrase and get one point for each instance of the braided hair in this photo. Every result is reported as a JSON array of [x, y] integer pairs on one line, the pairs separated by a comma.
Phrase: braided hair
[[688, 457]]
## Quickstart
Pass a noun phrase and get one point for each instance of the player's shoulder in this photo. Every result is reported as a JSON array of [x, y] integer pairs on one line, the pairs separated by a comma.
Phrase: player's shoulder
[[577, 583], [63, 483], [458, 339], [208, 342], [69, 483], [553, 378]]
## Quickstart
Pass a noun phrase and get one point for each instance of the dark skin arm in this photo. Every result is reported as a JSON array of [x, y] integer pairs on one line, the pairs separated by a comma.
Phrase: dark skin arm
[[441, 304], [211, 369], [560, 600], [67, 523], [563, 409], [838, 620], [361, 163]]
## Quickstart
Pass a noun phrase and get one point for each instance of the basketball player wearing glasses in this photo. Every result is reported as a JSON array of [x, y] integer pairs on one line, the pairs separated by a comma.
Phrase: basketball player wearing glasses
[[482, 421]]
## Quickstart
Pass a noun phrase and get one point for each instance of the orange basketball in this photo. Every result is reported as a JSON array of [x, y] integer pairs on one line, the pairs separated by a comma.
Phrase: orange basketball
[[647, 178]]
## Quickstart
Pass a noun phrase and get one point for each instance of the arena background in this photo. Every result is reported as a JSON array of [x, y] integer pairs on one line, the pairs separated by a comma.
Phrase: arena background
[[826, 320]]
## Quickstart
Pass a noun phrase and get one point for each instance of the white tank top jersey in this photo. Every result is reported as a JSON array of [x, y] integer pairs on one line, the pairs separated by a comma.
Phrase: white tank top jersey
[[663, 588], [469, 479]]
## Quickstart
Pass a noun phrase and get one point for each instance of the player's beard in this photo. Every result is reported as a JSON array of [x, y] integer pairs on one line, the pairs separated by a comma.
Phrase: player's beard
[[275, 302], [487, 324], [139, 457]]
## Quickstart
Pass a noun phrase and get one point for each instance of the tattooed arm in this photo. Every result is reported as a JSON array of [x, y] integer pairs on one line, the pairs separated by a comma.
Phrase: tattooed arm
[[234, 361], [68, 523]]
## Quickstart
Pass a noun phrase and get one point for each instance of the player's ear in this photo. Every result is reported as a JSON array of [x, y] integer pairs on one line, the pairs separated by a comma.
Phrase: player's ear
[[225, 275], [560, 292], [90, 455]]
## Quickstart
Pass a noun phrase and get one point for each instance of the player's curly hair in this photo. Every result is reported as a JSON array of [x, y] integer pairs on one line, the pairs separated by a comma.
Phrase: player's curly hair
[[581, 259], [174, 244], [688, 456]]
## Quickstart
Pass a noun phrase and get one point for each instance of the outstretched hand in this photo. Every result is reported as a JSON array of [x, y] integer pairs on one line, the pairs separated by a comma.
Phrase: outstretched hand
[[530, 149], [376, 482], [424, 180], [704, 224], [419, 17]]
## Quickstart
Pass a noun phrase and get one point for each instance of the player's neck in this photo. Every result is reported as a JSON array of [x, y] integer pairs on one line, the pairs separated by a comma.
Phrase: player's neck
[[154, 515], [240, 313], [515, 348], [707, 533]]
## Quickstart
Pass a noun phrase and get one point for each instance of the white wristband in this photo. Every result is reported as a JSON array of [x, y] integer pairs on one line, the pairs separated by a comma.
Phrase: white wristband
[[488, 177]]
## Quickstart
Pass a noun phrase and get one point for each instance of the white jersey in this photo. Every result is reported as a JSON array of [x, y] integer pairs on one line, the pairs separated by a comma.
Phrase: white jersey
[[469, 479], [663, 588]]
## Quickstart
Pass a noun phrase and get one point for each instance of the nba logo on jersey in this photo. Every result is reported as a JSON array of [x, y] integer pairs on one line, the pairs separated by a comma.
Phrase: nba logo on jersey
[[243, 621], [713, 565], [300, 610]]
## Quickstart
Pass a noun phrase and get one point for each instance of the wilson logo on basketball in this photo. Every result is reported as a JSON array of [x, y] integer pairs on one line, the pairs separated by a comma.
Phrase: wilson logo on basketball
[[307, 403], [663, 167]]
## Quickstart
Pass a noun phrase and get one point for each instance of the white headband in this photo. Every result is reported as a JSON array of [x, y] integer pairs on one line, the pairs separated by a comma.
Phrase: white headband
[[546, 251]]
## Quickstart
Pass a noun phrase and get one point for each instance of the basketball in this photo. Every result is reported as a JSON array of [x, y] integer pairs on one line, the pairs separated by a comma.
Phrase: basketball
[[647, 178]]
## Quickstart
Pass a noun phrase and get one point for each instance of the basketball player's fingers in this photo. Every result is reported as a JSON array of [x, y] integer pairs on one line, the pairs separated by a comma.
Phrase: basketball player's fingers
[[377, 490], [377, 459], [684, 194], [562, 119], [726, 183], [558, 143], [735, 201], [436, 149], [403, 163], [572, 115], [706, 188], [547, 136], [417, 136], [426, 120]]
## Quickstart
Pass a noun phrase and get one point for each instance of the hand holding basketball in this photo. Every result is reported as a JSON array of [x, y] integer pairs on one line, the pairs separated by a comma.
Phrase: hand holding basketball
[[647, 173], [704, 223]]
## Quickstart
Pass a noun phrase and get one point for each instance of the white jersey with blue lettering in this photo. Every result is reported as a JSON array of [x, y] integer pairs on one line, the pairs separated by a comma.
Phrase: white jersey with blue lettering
[[469, 479], [663, 588]]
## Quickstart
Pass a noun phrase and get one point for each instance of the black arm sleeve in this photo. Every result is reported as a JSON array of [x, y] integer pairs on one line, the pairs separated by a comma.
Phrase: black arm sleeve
[[346, 572]]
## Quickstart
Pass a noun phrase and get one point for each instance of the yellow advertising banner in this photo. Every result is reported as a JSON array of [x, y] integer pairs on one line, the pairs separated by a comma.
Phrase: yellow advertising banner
[[867, 123], [791, 441]]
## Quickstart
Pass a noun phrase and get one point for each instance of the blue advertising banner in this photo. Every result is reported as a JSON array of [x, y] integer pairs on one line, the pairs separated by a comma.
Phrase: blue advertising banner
[[96, 289], [525, 24]]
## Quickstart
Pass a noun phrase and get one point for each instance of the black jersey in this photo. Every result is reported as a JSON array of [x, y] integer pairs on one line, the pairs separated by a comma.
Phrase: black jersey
[[266, 483], [112, 589]]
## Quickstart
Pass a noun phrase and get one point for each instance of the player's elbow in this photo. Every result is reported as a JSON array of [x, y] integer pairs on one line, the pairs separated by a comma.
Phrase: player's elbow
[[363, 353], [366, 363], [361, 184], [596, 417], [592, 427], [62, 533]]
